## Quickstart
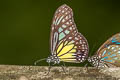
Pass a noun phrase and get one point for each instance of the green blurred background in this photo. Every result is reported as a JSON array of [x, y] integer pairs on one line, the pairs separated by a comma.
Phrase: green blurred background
[[25, 26]]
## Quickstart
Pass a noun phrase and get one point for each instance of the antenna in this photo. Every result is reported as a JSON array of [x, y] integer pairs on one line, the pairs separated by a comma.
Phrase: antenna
[[92, 49], [35, 63]]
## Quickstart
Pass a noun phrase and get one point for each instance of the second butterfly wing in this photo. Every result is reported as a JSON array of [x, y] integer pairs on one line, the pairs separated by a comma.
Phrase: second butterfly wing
[[66, 42], [109, 53]]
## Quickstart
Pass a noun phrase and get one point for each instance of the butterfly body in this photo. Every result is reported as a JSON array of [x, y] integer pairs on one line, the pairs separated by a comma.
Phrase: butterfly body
[[67, 44], [53, 59], [96, 61], [108, 55]]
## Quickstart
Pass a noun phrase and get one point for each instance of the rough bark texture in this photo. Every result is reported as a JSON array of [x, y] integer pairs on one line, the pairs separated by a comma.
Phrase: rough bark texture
[[12, 72]]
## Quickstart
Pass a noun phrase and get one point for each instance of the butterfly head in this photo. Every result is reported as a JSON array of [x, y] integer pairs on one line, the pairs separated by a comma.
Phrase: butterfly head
[[53, 59], [96, 61]]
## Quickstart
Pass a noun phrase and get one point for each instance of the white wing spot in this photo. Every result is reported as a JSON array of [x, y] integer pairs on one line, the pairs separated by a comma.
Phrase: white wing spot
[[83, 48], [52, 28], [76, 42], [117, 46], [82, 58], [71, 22], [63, 20], [66, 17], [86, 48], [70, 28], [70, 37], [113, 48], [63, 11], [55, 16], [108, 47], [60, 10], [75, 31], [79, 55], [67, 22], [83, 45], [76, 38], [83, 42], [74, 28], [80, 42], [63, 7], [119, 52], [66, 8]]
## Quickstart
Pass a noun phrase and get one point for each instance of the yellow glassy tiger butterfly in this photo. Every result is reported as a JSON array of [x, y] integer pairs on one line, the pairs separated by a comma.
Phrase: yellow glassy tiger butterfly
[[108, 55], [67, 44]]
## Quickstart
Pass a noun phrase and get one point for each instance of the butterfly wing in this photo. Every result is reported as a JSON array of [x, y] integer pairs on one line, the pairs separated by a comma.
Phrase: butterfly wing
[[109, 52], [66, 42], [114, 40]]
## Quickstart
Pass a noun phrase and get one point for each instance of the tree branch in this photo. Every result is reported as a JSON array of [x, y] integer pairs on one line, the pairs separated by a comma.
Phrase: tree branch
[[12, 72]]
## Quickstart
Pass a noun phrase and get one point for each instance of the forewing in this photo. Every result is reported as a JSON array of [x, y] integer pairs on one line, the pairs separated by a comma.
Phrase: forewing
[[114, 40], [60, 22], [65, 37]]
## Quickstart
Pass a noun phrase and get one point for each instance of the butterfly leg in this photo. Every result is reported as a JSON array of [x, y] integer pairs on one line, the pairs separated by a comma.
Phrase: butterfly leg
[[63, 69], [86, 67], [64, 64], [49, 69]]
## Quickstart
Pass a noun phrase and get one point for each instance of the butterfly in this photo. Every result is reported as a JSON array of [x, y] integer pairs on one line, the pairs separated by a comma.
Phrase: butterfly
[[108, 55], [66, 43]]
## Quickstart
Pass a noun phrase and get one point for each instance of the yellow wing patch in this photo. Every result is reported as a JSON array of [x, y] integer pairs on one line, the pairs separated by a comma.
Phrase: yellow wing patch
[[60, 47], [68, 55], [64, 48], [67, 51], [73, 50], [69, 60]]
